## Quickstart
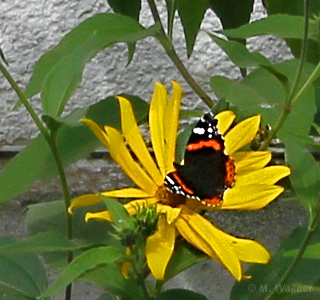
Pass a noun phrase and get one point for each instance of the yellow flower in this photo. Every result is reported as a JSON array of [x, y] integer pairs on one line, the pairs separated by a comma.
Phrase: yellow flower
[[254, 185]]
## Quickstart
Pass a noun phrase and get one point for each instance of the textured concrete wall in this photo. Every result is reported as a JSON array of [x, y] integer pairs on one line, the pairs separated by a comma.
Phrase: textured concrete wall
[[29, 28]]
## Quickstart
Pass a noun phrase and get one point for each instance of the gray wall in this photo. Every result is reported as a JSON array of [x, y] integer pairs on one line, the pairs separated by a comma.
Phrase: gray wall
[[29, 28]]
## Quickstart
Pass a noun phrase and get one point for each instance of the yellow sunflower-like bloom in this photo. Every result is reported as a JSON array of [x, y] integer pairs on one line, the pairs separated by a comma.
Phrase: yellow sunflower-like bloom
[[254, 185]]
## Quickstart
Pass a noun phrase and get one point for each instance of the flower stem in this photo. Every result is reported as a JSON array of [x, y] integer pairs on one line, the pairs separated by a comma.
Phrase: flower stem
[[293, 96], [168, 47], [139, 275], [51, 141]]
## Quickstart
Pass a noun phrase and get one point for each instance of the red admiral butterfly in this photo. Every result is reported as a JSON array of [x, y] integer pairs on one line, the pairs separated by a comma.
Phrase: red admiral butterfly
[[207, 171]]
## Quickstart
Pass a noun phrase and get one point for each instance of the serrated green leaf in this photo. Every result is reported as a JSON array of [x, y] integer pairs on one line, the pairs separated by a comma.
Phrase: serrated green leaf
[[239, 54], [178, 294], [21, 276], [58, 72], [84, 263], [191, 14], [232, 13], [305, 174], [74, 141], [274, 24]]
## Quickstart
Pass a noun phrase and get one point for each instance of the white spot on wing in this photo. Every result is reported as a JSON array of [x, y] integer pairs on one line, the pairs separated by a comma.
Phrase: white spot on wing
[[198, 130]]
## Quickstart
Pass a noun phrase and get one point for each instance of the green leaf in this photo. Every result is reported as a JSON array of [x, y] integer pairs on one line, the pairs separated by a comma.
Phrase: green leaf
[[44, 241], [22, 276], [74, 141], [183, 258], [191, 14], [275, 25], [178, 294], [121, 217], [265, 278], [312, 251], [84, 263], [171, 9], [116, 284], [232, 13], [130, 8], [305, 177], [58, 72], [261, 92], [239, 54], [49, 216], [296, 8]]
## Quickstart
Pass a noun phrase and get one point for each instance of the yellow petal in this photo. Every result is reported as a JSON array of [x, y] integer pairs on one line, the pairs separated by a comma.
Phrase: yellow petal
[[156, 122], [269, 175], [249, 161], [242, 134], [104, 215], [126, 193], [193, 238], [95, 128], [121, 155], [132, 134], [215, 238], [131, 208], [225, 119], [170, 212], [84, 200], [250, 197], [171, 126], [159, 248], [250, 251]]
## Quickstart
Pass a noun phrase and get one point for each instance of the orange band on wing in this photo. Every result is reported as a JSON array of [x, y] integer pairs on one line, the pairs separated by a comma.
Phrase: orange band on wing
[[204, 144], [213, 201], [181, 183]]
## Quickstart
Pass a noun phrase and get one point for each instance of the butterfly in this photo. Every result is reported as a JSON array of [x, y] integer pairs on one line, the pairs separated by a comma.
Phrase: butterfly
[[207, 171]]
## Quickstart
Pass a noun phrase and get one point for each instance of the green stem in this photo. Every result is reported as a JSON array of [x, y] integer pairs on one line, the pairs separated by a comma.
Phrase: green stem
[[311, 229], [25, 102], [138, 274], [292, 97], [51, 141], [168, 47]]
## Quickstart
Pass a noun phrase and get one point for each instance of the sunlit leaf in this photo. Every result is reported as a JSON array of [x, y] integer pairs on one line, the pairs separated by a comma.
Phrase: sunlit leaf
[[239, 54], [275, 25], [58, 72], [261, 92]]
